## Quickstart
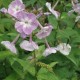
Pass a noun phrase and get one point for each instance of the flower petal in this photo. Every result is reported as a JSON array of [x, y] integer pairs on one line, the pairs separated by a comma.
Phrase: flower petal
[[15, 6], [29, 46], [4, 10], [44, 32], [64, 48], [76, 8], [28, 21], [55, 13], [23, 35], [19, 27], [49, 51], [9, 46]]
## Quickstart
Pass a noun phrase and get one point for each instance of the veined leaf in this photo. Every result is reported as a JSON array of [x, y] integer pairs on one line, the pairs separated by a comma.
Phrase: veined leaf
[[53, 21], [4, 54], [44, 74]]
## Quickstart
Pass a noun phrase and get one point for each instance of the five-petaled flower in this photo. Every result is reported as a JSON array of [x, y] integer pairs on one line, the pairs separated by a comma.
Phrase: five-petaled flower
[[15, 7], [64, 48], [54, 12], [27, 23], [44, 32], [76, 8], [28, 46]]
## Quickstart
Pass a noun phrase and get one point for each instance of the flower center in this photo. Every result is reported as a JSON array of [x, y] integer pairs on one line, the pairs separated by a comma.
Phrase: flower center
[[17, 8], [26, 22]]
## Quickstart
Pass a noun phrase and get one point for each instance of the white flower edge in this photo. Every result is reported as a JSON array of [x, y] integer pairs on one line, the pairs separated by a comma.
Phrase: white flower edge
[[77, 18]]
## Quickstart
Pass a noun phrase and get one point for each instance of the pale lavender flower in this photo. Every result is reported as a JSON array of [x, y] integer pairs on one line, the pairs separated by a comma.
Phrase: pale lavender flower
[[28, 46], [9, 46], [27, 23], [15, 6], [23, 35], [49, 51], [76, 8], [44, 32], [70, 12], [77, 18], [19, 28], [4, 10], [64, 48], [54, 12], [21, 1], [75, 1]]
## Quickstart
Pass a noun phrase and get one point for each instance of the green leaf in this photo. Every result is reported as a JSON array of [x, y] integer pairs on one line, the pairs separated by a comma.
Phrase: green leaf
[[6, 3], [4, 54], [44, 74], [74, 56], [7, 23], [12, 76], [67, 21], [52, 64], [21, 66], [30, 2], [52, 20], [2, 28], [66, 33], [0, 3], [76, 40], [42, 3], [39, 52]]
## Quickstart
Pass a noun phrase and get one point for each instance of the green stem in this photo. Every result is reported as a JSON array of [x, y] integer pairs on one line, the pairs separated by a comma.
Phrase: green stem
[[56, 3], [35, 60], [5, 67]]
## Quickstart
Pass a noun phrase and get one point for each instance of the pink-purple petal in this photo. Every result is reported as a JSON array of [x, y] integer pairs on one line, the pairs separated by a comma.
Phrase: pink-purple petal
[[28, 46], [44, 32], [9, 46], [19, 27], [12, 7], [49, 51], [29, 22], [3, 10]]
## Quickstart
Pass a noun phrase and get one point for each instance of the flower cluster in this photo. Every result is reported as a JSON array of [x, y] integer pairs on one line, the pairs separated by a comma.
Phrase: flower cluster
[[26, 23], [76, 8]]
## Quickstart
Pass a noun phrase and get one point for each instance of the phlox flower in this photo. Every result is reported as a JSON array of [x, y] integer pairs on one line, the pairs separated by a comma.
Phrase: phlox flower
[[27, 23], [77, 18], [9, 46], [76, 8], [54, 12], [44, 32], [28, 46], [49, 51], [64, 48], [3, 10], [15, 6]]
